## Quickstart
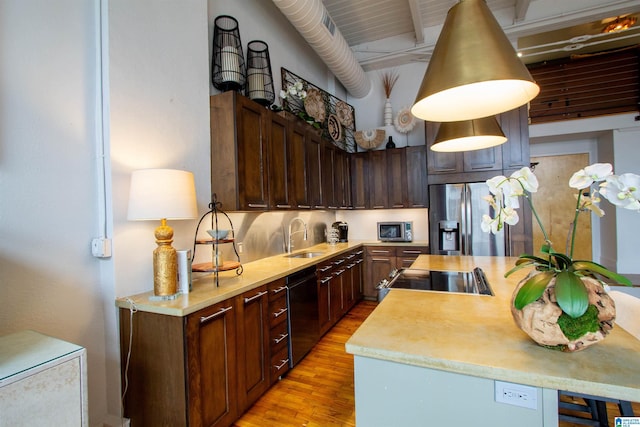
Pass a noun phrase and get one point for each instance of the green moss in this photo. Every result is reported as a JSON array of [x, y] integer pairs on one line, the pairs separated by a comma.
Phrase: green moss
[[575, 328]]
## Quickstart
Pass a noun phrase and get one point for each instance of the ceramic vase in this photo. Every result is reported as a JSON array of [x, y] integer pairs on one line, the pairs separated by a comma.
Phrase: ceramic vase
[[388, 113], [539, 319]]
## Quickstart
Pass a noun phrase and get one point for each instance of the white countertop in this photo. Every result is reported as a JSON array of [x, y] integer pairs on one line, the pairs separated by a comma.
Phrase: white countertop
[[476, 335]]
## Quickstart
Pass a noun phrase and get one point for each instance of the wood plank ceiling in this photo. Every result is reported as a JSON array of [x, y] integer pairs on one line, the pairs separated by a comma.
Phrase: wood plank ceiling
[[386, 33]]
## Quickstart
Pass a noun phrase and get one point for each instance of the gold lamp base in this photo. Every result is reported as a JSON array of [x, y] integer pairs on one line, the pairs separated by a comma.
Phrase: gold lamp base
[[165, 262]]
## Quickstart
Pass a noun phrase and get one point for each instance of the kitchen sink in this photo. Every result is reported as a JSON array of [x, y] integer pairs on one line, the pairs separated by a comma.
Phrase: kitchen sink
[[305, 255]]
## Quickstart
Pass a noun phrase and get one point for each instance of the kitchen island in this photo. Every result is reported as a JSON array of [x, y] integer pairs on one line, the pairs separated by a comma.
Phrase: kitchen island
[[435, 358]]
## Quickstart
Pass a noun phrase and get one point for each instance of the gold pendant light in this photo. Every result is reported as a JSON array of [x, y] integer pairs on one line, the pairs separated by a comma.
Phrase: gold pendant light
[[468, 135], [474, 70]]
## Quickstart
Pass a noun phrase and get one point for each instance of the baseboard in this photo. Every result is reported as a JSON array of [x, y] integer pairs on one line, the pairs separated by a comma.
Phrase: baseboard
[[115, 421]]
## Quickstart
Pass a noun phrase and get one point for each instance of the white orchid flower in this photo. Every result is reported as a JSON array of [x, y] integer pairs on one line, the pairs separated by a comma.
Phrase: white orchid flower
[[511, 193], [489, 224], [594, 173], [527, 179], [509, 216], [622, 190], [496, 185], [591, 203]]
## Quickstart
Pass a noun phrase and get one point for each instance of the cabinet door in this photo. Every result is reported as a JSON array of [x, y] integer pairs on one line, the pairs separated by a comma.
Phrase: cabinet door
[[312, 143], [379, 261], [253, 345], [298, 165], [515, 125], [378, 179], [278, 333], [417, 195], [360, 180], [356, 277], [396, 178], [487, 159], [336, 295], [211, 366], [252, 146], [342, 181], [328, 188], [438, 163], [280, 167]]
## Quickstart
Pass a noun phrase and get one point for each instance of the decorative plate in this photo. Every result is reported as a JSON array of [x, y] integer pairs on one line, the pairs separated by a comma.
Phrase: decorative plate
[[344, 113], [334, 127], [369, 139], [314, 105], [404, 121]]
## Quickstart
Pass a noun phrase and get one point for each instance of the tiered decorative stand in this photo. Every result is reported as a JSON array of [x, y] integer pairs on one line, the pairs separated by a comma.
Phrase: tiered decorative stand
[[215, 266]]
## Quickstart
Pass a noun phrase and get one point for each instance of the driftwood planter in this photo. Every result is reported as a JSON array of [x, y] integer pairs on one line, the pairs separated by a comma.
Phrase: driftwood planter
[[539, 319]]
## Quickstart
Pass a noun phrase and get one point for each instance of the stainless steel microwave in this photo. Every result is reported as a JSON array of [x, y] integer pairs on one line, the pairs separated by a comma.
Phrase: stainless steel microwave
[[395, 231]]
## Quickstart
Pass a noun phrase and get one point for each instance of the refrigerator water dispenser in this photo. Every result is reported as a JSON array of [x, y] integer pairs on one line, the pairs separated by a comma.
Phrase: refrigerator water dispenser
[[448, 235]]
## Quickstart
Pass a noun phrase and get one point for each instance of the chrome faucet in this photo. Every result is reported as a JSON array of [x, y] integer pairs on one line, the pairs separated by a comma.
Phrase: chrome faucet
[[290, 235]]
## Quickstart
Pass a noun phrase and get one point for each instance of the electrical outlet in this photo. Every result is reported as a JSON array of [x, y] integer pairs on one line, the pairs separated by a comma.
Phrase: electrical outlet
[[240, 247], [517, 395]]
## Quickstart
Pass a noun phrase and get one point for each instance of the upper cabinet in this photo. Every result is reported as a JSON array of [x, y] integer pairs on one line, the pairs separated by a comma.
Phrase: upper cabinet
[[479, 165]]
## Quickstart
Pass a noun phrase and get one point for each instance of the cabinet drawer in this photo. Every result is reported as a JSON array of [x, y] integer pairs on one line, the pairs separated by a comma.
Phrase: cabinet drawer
[[412, 251], [279, 363], [279, 338], [278, 312]]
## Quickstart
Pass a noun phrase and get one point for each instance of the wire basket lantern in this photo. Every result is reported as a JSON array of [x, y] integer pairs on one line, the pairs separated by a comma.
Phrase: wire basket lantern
[[227, 64], [259, 77]]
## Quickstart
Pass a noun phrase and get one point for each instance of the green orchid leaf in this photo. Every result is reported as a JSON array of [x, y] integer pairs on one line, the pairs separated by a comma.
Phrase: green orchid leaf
[[590, 266], [546, 248], [532, 289], [562, 261], [571, 294], [519, 267]]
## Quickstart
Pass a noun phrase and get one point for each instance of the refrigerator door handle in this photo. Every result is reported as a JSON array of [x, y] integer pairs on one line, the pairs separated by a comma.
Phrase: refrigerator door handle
[[464, 224]]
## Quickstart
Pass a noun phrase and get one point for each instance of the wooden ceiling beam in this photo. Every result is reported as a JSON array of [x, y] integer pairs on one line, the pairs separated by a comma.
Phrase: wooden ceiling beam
[[522, 6], [416, 17]]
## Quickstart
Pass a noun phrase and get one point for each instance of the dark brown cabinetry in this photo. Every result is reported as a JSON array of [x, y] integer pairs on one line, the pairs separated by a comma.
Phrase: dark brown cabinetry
[[479, 165], [417, 194], [339, 287], [279, 334], [253, 345], [359, 180], [239, 152], [379, 261]]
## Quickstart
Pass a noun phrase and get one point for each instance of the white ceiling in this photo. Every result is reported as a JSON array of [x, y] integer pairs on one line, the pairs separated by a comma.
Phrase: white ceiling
[[387, 33]]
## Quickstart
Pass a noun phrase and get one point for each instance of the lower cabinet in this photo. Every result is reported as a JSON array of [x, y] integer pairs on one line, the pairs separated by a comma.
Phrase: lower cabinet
[[381, 260], [207, 368], [204, 369]]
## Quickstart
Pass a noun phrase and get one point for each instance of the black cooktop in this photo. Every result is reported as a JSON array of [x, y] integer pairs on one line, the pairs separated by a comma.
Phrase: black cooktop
[[471, 282]]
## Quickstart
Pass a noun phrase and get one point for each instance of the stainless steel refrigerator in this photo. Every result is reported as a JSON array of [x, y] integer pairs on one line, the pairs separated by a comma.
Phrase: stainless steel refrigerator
[[455, 215]]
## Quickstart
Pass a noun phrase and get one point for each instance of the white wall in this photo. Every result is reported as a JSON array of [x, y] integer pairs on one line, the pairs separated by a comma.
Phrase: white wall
[[48, 206], [370, 109]]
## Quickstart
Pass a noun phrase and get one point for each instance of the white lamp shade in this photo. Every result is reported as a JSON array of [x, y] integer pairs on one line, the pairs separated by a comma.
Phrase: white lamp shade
[[162, 194]]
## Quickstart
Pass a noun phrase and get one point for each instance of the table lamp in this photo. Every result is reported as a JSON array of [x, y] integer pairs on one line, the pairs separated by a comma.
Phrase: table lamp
[[162, 194]]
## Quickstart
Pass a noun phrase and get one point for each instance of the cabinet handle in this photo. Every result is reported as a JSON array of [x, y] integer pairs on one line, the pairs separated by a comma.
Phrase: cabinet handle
[[282, 365], [280, 312], [280, 289], [381, 259], [255, 297], [257, 205], [379, 251], [359, 252], [304, 206], [411, 252], [283, 206], [281, 338], [325, 280], [350, 256], [339, 272], [214, 315], [325, 268], [340, 261]]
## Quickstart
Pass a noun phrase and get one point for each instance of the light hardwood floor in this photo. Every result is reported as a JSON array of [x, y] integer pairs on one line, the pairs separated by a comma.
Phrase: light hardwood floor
[[319, 391]]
